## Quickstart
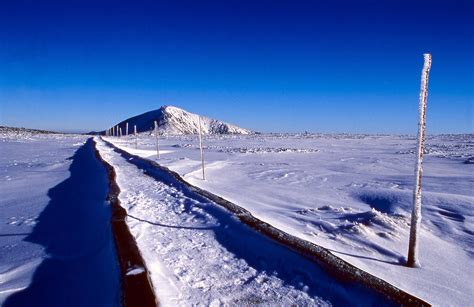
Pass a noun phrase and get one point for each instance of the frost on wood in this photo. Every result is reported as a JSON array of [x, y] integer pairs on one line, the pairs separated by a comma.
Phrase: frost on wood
[[200, 147], [413, 260], [136, 136], [156, 137]]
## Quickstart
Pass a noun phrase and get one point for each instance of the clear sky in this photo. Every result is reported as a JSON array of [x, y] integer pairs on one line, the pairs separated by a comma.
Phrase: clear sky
[[320, 66]]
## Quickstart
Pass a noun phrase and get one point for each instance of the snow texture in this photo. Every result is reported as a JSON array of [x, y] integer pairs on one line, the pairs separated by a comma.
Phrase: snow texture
[[56, 245], [199, 253], [349, 193]]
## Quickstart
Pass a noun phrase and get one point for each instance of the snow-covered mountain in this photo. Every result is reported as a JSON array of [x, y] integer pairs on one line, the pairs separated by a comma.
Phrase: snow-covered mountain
[[176, 121]]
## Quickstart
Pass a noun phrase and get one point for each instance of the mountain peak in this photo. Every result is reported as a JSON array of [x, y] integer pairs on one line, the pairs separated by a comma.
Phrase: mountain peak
[[176, 121]]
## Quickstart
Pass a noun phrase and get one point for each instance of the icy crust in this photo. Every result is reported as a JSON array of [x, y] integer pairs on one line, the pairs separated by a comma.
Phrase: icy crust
[[338, 267], [251, 150]]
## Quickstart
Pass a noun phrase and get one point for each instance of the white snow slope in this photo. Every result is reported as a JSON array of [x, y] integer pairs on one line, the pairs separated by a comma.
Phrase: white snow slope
[[349, 193], [175, 121]]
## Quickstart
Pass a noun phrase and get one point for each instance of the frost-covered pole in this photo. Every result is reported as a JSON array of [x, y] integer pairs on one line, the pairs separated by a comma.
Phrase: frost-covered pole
[[156, 137], [200, 147], [413, 260], [126, 129], [136, 136], [120, 131]]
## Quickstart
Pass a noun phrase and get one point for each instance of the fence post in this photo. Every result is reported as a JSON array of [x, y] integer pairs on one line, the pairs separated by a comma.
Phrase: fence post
[[126, 129], [200, 147], [413, 260], [156, 136], [136, 136]]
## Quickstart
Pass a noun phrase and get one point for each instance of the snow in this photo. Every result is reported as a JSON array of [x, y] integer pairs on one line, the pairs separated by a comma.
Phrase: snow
[[136, 271], [200, 254], [175, 121], [349, 193], [55, 240]]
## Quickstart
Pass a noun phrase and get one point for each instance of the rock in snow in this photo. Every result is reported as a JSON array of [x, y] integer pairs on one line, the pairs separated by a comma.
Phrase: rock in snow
[[175, 121]]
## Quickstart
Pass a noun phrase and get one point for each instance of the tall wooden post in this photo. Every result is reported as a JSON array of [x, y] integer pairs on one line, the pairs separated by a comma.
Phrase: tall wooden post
[[200, 147], [126, 129], [413, 260], [136, 136], [156, 137]]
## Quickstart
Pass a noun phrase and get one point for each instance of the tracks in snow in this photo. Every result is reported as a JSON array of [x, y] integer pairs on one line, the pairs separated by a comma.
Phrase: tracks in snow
[[197, 252]]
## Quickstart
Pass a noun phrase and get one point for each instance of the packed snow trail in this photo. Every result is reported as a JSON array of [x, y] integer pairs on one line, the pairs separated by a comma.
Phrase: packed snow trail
[[198, 252], [65, 255]]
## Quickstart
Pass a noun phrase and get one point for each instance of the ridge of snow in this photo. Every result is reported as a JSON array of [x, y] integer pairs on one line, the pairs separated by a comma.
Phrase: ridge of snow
[[175, 121]]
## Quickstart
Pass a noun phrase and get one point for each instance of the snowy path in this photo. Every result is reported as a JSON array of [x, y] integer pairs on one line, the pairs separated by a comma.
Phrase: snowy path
[[199, 253]]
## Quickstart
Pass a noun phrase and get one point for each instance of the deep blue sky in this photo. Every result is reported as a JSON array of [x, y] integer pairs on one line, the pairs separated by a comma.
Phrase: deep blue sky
[[321, 66]]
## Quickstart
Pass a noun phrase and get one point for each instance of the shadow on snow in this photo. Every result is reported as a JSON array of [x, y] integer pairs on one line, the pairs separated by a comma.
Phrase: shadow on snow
[[81, 267], [264, 254]]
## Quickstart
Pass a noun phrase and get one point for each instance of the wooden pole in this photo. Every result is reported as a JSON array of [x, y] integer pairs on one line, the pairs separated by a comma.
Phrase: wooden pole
[[200, 147], [156, 137], [126, 129], [413, 260], [120, 131], [136, 136]]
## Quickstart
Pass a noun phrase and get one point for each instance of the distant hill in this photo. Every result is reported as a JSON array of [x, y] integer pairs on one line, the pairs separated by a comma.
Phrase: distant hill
[[175, 121], [20, 130]]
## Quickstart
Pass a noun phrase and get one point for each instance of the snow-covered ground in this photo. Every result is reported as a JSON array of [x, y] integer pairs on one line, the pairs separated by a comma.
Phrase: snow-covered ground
[[56, 247], [349, 193], [200, 254]]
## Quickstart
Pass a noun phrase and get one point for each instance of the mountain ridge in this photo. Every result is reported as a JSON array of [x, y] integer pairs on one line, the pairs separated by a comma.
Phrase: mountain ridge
[[176, 121]]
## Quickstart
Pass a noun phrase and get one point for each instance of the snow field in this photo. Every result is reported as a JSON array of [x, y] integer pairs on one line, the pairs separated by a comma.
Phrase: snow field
[[351, 194], [199, 253]]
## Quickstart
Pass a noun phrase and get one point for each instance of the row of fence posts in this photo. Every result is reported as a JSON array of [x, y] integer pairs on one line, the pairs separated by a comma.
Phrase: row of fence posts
[[412, 259], [116, 131]]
